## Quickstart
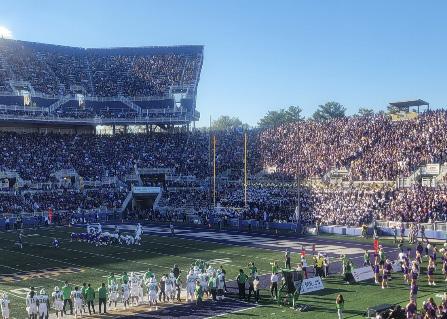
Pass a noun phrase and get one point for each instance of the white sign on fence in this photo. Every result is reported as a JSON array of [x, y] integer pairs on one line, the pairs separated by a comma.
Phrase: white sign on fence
[[396, 266], [363, 273], [311, 285], [432, 169]]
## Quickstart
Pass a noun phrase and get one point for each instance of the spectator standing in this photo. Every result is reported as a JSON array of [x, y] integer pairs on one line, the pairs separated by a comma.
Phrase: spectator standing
[[90, 298], [340, 304], [274, 278], [241, 280], [66, 292], [102, 296]]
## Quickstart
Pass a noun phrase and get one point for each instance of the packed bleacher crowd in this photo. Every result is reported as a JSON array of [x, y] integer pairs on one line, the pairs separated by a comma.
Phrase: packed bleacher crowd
[[54, 70], [61, 200], [36, 156], [73, 200], [371, 148]]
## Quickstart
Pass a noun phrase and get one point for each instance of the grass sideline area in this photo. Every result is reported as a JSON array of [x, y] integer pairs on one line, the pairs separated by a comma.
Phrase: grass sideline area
[[83, 262]]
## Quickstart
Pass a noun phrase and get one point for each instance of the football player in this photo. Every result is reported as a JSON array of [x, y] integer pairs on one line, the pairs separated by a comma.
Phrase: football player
[[4, 304], [76, 296], [31, 305], [58, 301], [43, 304]]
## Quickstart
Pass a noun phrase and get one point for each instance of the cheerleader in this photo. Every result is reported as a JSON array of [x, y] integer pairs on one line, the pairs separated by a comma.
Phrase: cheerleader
[[414, 271], [431, 271], [418, 258], [406, 271], [413, 290], [444, 269], [376, 271], [386, 273], [434, 254]]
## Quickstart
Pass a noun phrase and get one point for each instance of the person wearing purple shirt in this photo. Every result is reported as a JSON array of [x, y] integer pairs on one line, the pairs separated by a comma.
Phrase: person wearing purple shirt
[[411, 309], [413, 290]]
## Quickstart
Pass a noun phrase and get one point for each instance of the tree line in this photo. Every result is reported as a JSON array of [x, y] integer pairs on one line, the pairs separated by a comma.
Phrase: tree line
[[324, 112]]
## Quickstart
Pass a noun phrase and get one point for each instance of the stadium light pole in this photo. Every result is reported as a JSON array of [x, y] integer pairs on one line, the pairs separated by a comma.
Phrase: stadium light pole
[[298, 181], [214, 170], [245, 169]]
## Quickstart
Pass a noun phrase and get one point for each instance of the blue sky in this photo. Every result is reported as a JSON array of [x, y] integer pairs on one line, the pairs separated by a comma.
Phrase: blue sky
[[265, 55]]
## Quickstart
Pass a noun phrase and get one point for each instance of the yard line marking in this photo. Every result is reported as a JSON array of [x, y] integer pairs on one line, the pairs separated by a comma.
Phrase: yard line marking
[[231, 312], [146, 251], [202, 249]]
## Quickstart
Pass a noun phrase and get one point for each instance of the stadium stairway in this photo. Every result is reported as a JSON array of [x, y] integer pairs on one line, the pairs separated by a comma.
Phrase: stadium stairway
[[130, 104], [58, 103]]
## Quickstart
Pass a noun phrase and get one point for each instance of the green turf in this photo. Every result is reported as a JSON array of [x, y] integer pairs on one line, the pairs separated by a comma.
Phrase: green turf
[[160, 254]]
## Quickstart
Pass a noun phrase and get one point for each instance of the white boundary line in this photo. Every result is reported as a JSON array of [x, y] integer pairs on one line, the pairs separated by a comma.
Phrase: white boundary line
[[231, 312]]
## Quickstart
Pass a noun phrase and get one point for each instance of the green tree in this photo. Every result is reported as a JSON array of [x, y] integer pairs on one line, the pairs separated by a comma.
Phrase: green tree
[[330, 110], [226, 122], [365, 112], [276, 118]]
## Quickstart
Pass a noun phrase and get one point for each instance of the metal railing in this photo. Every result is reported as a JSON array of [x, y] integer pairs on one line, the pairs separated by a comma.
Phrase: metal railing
[[96, 120]]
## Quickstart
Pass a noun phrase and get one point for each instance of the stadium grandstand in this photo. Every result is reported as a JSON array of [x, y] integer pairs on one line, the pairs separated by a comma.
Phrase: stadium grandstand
[[45, 86]]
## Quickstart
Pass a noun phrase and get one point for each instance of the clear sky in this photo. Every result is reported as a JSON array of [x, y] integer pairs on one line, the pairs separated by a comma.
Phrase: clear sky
[[265, 55]]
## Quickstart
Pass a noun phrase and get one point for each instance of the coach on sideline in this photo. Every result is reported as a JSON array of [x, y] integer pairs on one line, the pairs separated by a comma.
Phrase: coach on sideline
[[66, 292], [102, 296]]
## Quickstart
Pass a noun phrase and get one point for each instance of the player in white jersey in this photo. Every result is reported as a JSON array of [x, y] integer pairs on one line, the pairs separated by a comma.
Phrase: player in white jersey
[[190, 286], [210, 271], [4, 304], [152, 290], [220, 285], [138, 233], [113, 294], [58, 301], [196, 271], [203, 278], [76, 296], [43, 304], [31, 305], [125, 293], [170, 287], [140, 290], [134, 293]]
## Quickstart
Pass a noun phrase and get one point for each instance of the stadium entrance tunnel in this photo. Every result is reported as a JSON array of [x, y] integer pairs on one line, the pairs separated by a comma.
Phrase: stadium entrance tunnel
[[144, 198]]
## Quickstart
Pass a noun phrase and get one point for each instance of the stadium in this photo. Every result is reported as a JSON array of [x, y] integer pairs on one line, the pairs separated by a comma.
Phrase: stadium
[[114, 203]]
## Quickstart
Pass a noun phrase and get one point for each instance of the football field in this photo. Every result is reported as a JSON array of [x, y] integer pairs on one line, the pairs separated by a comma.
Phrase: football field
[[41, 265]]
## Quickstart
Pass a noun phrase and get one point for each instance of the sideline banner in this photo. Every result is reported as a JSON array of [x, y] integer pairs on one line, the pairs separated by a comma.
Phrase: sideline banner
[[363, 273], [311, 285]]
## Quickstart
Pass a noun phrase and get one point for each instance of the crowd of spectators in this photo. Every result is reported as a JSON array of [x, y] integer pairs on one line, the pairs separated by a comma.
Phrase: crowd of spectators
[[73, 200], [61, 200], [36, 156], [11, 203], [417, 204], [54, 70], [370, 148]]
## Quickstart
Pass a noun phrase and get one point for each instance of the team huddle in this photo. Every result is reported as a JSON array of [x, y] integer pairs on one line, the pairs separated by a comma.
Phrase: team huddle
[[96, 236]]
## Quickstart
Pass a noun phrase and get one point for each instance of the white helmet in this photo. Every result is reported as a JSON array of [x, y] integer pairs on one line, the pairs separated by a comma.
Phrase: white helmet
[[42, 291], [5, 295], [56, 288]]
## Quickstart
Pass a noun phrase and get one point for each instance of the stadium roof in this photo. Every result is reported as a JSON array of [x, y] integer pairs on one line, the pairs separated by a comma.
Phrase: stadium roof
[[191, 49], [408, 104]]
